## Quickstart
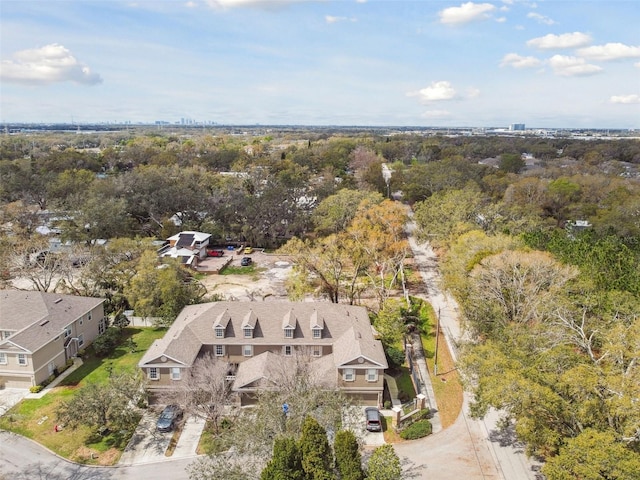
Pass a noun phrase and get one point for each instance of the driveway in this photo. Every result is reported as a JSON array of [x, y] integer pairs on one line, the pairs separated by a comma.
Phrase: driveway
[[10, 396], [147, 445]]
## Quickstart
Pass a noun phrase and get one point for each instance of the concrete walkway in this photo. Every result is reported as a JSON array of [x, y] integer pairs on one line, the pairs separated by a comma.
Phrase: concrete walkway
[[77, 362]]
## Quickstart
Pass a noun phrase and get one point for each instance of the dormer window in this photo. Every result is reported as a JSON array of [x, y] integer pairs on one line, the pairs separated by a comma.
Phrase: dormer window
[[219, 331], [317, 324], [288, 332], [248, 332]]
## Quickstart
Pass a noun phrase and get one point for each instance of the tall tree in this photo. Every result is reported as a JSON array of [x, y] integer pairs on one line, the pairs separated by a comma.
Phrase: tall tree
[[286, 462], [348, 458], [162, 291], [317, 458], [204, 390]]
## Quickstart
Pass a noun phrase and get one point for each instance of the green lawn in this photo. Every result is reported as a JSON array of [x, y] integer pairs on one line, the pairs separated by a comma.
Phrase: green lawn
[[36, 418]]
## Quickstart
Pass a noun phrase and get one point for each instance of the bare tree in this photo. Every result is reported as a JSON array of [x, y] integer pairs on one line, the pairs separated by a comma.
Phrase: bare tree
[[204, 390]]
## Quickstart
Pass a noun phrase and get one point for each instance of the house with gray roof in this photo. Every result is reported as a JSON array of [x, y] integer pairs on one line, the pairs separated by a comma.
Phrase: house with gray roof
[[40, 331], [260, 340]]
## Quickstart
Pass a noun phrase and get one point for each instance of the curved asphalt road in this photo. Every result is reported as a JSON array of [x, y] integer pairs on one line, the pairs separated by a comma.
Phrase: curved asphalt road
[[470, 449], [23, 459]]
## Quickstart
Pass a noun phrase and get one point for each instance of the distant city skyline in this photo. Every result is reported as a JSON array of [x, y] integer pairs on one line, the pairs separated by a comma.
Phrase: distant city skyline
[[554, 64]]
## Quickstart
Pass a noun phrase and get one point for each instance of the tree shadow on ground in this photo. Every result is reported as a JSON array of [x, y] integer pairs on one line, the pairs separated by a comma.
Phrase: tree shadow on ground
[[65, 471]]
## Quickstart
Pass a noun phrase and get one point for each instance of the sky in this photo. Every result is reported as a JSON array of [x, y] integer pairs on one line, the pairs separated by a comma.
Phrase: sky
[[547, 64]]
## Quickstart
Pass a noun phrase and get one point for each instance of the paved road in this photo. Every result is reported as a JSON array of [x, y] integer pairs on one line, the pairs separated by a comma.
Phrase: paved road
[[22, 459], [470, 449]]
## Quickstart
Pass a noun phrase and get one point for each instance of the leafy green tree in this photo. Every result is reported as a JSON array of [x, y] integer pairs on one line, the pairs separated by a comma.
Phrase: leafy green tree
[[335, 213], [511, 163], [594, 455], [109, 406], [448, 213], [384, 464], [162, 291], [348, 458], [286, 462], [317, 458]]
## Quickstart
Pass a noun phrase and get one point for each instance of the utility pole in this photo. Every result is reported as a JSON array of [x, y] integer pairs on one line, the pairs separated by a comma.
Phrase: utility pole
[[435, 359]]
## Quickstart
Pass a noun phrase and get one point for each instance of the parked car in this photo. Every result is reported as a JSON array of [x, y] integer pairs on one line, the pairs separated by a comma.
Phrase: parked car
[[168, 418], [248, 250], [374, 423], [246, 261], [215, 252]]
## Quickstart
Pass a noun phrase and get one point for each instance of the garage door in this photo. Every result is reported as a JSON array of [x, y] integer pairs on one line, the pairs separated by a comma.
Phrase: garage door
[[15, 382]]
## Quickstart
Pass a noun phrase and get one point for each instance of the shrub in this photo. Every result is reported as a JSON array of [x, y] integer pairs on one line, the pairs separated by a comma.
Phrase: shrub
[[419, 429], [387, 404], [36, 388], [395, 356], [105, 343]]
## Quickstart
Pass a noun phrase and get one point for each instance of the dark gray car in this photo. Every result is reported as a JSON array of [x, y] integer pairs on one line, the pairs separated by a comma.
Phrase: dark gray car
[[168, 418], [374, 423]]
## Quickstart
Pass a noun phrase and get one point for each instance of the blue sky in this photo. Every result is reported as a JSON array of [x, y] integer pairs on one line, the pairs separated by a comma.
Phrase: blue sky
[[349, 62]]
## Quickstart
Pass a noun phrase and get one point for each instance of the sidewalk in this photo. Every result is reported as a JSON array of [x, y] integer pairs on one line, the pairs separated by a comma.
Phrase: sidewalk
[[77, 362]]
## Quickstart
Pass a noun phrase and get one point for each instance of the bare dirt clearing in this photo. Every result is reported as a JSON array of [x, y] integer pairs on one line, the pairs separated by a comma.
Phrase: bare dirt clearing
[[265, 280]]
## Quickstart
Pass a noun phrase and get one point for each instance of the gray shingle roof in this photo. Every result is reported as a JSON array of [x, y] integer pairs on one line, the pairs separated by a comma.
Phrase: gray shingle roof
[[39, 317], [347, 328]]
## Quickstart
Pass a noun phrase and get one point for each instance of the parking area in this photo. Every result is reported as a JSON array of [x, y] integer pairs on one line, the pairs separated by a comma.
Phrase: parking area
[[148, 445], [354, 419], [265, 281]]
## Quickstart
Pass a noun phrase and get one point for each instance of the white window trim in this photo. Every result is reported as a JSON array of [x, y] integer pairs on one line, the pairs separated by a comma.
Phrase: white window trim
[[3, 358], [81, 339], [219, 332], [247, 332], [176, 374], [81, 321], [288, 332], [317, 333], [215, 350], [67, 332], [154, 373], [22, 359], [317, 351], [370, 377], [288, 348], [349, 372], [247, 350]]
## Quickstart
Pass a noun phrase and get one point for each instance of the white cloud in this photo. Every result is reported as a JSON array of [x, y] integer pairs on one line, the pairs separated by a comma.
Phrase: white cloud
[[517, 61], [609, 51], [467, 12], [540, 18], [435, 92], [625, 99], [565, 40], [501, 19], [567, 66], [332, 19], [49, 64]]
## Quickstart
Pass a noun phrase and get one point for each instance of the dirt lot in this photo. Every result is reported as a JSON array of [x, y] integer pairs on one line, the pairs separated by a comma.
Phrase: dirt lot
[[263, 281]]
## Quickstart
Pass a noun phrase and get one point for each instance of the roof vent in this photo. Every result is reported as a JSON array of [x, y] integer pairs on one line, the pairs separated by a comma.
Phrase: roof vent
[[44, 322], [57, 300]]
